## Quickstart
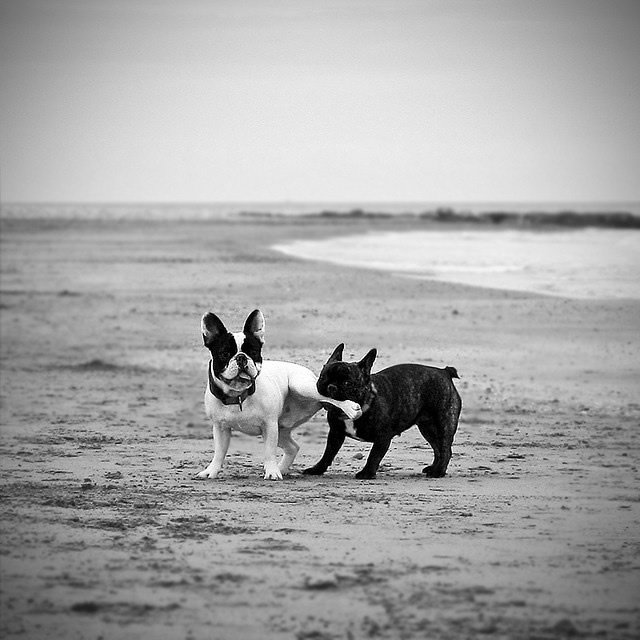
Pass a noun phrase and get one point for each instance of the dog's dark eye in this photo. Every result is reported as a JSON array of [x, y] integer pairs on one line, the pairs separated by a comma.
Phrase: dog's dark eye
[[222, 349], [252, 348]]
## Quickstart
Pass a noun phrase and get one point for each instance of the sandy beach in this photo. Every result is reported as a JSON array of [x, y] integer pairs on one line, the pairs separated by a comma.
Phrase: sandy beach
[[533, 534]]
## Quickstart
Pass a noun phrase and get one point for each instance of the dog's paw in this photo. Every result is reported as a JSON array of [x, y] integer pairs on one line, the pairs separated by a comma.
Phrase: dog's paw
[[207, 474], [352, 410], [314, 471], [433, 472], [366, 475], [271, 472]]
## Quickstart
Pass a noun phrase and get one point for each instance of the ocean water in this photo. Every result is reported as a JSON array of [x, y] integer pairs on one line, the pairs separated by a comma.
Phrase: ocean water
[[585, 263]]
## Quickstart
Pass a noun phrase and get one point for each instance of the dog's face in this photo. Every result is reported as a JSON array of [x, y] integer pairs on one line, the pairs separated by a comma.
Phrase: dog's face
[[346, 380], [236, 357]]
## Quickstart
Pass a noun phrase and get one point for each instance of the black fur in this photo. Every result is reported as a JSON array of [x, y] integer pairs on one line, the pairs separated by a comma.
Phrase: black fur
[[393, 400], [222, 344], [252, 344]]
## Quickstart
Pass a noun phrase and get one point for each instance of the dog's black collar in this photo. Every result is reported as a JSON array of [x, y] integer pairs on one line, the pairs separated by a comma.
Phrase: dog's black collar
[[223, 397]]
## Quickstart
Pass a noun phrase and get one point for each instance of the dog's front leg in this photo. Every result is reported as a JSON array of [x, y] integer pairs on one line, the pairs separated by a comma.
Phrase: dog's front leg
[[270, 436], [378, 451], [221, 439], [335, 440]]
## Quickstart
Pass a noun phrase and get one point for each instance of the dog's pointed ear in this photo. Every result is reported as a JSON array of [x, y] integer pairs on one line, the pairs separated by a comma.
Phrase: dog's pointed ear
[[367, 362], [254, 325], [212, 327], [336, 356]]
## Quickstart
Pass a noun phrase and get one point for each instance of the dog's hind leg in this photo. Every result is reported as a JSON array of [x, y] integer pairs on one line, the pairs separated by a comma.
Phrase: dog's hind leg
[[438, 430], [305, 386], [270, 436], [290, 448], [432, 433]]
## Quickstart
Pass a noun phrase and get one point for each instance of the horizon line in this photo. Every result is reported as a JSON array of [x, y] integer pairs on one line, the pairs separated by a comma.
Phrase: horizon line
[[433, 201]]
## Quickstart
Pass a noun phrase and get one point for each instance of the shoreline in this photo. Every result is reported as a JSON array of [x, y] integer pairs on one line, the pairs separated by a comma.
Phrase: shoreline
[[577, 263]]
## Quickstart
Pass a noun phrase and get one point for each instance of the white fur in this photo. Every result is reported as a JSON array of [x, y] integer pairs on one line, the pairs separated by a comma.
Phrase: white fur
[[350, 430], [285, 397], [232, 369], [239, 338]]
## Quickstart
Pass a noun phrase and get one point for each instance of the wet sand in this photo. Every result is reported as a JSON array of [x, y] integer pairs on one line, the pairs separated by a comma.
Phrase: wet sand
[[106, 533]]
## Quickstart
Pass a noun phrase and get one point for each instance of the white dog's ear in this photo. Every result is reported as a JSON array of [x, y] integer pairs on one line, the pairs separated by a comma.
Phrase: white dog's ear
[[212, 327], [254, 325], [336, 356], [367, 362]]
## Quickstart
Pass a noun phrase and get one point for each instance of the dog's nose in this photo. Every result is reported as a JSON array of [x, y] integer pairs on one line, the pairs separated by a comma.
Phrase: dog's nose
[[332, 389], [241, 359]]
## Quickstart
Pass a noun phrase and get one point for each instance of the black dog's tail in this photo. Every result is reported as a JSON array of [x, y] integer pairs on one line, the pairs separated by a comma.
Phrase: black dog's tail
[[452, 372]]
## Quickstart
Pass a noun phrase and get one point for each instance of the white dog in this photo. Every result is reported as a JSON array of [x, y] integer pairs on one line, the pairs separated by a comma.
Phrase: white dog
[[270, 398]]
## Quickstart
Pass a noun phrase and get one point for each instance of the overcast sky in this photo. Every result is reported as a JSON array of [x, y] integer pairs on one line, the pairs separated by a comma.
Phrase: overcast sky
[[333, 100]]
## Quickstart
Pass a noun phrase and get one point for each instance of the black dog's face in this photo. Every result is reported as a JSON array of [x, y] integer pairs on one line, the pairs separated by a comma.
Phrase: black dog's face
[[236, 357], [341, 381], [346, 380]]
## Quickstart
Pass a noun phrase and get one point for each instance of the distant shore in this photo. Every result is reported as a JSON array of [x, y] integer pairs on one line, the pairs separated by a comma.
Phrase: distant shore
[[533, 219], [521, 216]]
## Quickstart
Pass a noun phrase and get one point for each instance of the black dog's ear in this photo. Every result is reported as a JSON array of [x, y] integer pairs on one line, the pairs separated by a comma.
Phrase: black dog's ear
[[212, 327], [254, 325], [336, 356], [367, 362]]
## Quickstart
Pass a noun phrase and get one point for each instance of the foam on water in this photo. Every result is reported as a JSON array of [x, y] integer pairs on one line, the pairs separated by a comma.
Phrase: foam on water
[[592, 263]]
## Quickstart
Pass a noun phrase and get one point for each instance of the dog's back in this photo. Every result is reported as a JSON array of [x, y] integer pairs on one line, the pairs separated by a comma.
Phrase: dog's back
[[411, 384]]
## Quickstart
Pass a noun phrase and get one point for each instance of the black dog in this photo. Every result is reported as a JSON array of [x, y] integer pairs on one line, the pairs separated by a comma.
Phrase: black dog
[[392, 400]]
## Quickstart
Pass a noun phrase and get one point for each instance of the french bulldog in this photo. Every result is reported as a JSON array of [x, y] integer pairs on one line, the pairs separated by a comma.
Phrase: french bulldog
[[391, 401], [257, 397]]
